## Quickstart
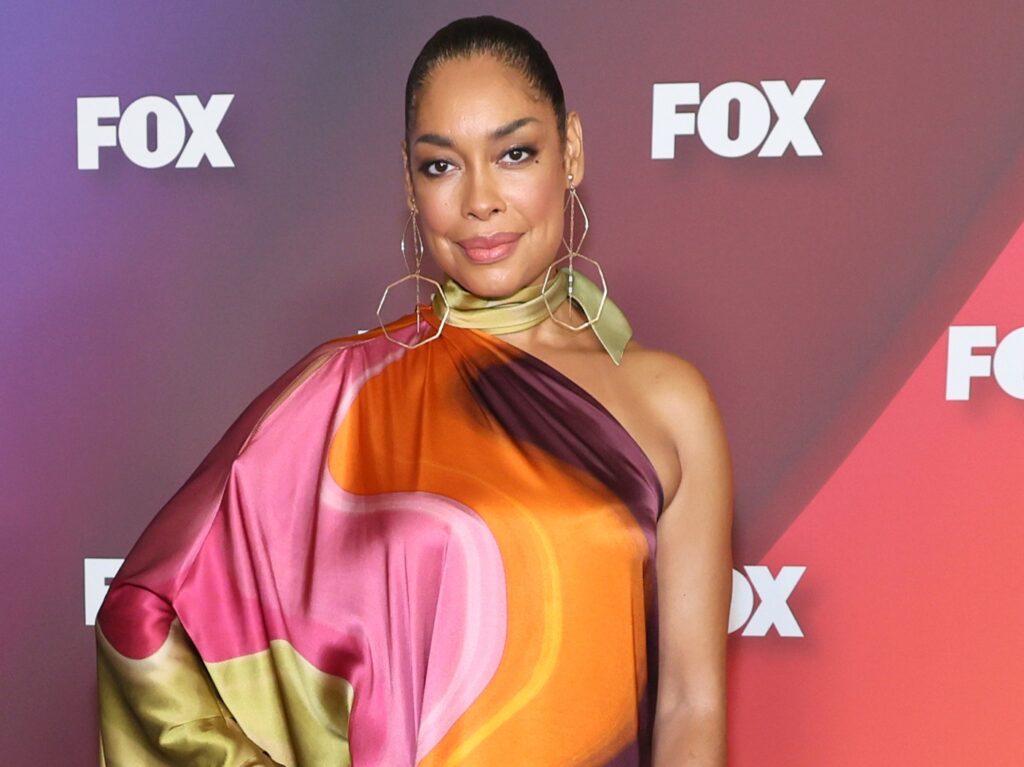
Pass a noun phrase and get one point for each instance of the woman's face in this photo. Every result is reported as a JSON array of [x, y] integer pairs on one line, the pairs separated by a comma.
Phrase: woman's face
[[488, 173]]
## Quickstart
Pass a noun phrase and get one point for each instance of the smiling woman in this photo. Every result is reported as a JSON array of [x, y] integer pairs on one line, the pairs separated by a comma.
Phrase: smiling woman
[[478, 536], [487, 168]]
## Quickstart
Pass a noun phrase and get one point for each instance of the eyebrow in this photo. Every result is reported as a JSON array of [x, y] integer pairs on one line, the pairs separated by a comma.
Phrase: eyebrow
[[508, 128]]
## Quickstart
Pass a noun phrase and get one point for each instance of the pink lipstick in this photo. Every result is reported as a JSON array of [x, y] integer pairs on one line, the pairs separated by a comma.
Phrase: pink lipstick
[[493, 247]]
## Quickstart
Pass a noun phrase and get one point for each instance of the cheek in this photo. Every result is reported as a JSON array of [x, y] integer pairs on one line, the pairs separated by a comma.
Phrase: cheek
[[534, 191], [543, 209], [437, 216], [439, 225]]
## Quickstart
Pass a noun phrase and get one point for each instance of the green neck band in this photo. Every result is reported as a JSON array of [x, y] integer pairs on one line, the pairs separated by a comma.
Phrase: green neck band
[[526, 308]]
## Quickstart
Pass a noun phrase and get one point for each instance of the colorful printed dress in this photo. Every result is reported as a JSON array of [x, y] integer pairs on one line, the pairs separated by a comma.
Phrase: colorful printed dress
[[437, 556]]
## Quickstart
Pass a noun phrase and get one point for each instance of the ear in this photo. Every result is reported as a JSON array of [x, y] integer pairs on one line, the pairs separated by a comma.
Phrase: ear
[[574, 148], [410, 196]]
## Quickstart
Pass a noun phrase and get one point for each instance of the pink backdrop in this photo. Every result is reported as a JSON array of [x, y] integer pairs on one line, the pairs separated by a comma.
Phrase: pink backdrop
[[143, 307]]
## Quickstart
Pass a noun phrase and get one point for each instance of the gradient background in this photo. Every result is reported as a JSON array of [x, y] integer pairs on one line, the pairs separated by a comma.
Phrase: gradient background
[[142, 309]]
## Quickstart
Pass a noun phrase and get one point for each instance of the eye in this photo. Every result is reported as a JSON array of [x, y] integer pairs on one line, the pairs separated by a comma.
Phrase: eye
[[435, 167], [519, 154]]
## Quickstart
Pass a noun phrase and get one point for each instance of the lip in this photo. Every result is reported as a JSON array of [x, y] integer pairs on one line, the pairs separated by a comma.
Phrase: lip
[[490, 248]]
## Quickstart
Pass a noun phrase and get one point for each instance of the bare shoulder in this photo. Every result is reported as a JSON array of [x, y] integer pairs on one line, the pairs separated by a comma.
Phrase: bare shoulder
[[678, 396], [671, 386], [681, 407]]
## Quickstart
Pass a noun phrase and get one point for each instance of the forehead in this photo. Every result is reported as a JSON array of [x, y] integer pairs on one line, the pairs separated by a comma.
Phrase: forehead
[[474, 95]]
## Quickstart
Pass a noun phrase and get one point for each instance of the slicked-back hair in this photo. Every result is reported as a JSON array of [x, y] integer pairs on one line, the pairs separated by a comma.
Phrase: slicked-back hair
[[487, 35]]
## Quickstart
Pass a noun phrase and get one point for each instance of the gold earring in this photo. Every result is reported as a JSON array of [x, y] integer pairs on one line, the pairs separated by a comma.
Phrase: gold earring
[[414, 274], [572, 202]]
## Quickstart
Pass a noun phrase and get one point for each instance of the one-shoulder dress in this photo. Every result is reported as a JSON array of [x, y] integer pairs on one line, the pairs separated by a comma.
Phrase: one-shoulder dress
[[435, 556]]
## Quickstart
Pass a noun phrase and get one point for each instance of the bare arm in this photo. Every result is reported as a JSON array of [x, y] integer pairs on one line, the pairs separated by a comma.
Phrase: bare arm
[[694, 579]]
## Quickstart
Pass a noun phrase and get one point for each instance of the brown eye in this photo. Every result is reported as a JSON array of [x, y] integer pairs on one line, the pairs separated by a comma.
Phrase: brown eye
[[436, 167], [518, 154]]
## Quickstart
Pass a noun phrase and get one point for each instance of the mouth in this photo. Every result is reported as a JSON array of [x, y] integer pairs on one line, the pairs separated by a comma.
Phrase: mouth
[[487, 250]]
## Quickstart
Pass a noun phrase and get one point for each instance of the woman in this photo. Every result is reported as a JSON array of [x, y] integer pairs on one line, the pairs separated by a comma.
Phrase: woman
[[434, 544]]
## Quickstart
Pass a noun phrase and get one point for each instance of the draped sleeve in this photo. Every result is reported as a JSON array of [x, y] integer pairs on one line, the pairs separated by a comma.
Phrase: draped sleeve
[[158, 704], [403, 555]]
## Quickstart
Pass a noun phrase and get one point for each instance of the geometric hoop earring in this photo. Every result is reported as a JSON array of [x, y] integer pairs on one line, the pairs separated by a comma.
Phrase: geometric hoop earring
[[573, 247], [414, 274]]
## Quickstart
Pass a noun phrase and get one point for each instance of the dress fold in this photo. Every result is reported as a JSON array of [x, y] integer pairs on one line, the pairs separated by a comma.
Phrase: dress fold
[[435, 556]]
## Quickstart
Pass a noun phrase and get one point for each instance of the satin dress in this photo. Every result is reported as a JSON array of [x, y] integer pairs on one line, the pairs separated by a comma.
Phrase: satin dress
[[437, 556]]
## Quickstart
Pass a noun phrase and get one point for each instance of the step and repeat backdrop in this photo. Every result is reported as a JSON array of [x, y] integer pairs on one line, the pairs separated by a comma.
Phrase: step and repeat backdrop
[[820, 204]]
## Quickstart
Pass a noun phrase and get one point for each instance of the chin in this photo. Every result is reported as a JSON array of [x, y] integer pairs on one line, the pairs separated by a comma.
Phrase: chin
[[498, 281]]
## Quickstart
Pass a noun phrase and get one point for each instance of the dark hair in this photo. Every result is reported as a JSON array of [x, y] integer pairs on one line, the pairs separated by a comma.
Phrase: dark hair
[[488, 35]]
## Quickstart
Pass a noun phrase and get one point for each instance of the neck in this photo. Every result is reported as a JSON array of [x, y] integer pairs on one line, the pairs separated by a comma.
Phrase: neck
[[533, 304]]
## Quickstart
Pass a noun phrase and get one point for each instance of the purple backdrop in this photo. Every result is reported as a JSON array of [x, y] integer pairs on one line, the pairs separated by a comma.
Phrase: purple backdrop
[[142, 309]]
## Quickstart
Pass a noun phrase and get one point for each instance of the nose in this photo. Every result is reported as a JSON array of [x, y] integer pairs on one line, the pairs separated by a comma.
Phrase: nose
[[482, 196]]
